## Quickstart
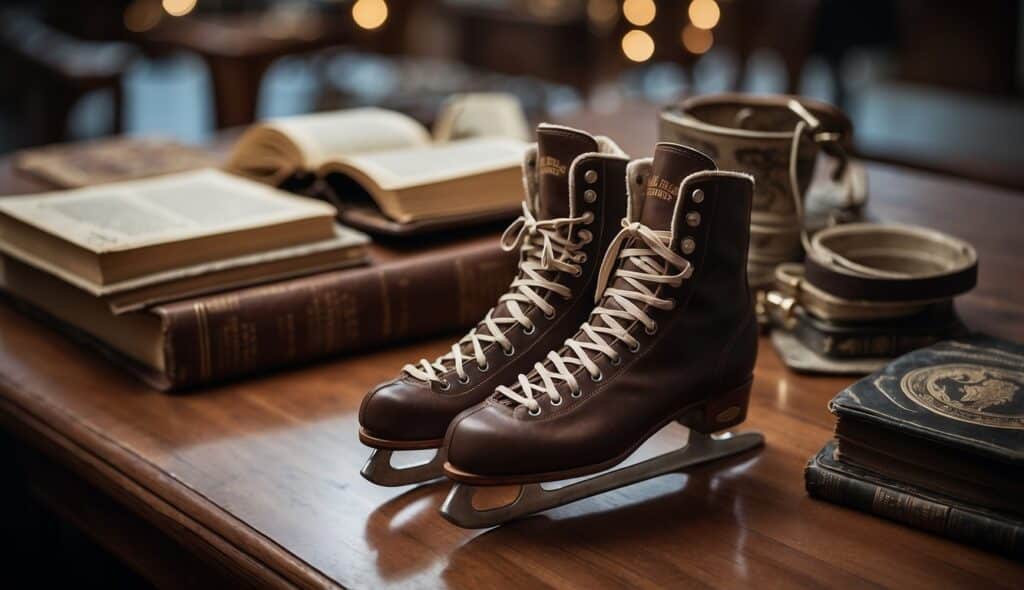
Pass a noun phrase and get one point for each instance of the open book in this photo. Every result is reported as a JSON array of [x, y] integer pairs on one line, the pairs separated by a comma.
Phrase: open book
[[385, 159], [197, 230]]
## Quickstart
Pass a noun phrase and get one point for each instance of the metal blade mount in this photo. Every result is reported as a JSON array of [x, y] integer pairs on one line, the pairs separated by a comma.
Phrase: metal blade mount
[[458, 506], [379, 470]]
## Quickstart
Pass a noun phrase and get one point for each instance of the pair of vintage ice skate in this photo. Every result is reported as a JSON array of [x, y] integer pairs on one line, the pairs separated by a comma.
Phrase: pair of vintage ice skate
[[630, 310]]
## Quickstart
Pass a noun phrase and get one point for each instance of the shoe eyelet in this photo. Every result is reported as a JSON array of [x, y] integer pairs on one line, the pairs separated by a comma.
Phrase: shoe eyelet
[[652, 330], [578, 272], [588, 218], [537, 413], [590, 195], [635, 349], [616, 361], [556, 404], [483, 368], [693, 219], [531, 330], [597, 378], [582, 258], [585, 236], [697, 196], [445, 385], [590, 176], [549, 317], [511, 351], [576, 394], [464, 380]]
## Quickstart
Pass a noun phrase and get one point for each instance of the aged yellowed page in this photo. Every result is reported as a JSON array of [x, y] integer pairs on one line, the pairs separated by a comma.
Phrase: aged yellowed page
[[399, 169], [127, 215], [324, 136]]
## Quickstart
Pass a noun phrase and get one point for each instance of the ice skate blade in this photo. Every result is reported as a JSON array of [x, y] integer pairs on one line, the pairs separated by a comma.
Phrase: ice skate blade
[[458, 506], [379, 470]]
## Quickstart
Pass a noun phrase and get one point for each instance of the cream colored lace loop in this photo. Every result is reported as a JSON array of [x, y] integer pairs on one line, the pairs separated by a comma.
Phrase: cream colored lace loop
[[545, 246], [651, 258]]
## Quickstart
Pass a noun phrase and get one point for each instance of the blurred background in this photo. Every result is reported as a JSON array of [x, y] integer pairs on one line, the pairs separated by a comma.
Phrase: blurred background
[[936, 85]]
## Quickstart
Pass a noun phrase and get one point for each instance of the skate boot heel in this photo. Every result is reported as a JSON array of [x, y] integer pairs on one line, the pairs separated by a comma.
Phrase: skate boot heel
[[720, 412]]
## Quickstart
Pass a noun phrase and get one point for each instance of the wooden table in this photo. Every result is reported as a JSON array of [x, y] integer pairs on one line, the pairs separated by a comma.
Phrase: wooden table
[[258, 482]]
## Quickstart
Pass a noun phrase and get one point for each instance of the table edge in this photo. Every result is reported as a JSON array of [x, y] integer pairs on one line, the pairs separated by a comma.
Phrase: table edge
[[156, 496]]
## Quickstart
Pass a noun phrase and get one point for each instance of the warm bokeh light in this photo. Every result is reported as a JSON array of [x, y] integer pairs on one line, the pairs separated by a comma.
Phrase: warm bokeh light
[[179, 7], [696, 40], [637, 45], [602, 13], [639, 12], [142, 15], [704, 14], [370, 14]]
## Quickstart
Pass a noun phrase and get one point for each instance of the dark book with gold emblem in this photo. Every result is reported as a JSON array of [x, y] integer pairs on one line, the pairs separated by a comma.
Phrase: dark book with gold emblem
[[947, 419]]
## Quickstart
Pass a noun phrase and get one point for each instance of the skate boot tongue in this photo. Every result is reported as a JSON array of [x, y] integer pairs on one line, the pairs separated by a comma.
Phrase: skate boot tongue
[[557, 147], [672, 163]]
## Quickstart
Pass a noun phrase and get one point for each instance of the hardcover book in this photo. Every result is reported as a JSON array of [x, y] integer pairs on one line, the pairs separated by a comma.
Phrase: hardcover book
[[214, 338], [74, 165], [832, 480], [382, 160], [947, 418], [149, 230], [876, 339]]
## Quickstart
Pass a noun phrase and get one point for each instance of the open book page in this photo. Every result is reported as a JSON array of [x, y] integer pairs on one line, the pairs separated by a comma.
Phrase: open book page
[[129, 215], [481, 114], [400, 169], [323, 136]]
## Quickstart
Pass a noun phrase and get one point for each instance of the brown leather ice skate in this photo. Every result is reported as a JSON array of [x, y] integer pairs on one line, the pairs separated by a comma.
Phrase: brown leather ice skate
[[575, 201], [673, 337]]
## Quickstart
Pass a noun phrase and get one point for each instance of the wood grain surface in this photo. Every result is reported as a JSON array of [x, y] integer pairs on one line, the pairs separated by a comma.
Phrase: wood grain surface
[[260, 479]]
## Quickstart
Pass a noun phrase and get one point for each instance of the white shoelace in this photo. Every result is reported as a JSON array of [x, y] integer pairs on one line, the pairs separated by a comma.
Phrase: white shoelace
[[651, 258], [545, 246]]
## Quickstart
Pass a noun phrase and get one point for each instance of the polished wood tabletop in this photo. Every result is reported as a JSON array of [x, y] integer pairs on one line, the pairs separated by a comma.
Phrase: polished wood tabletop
[[258, 482]]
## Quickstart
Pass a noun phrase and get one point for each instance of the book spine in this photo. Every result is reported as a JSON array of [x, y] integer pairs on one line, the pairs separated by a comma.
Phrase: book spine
[[847, 345], [254, 330], [948, 520]]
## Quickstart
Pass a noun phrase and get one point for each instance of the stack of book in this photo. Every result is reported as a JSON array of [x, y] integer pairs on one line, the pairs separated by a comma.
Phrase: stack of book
[[193, 278], [190, 276], [934, 440]]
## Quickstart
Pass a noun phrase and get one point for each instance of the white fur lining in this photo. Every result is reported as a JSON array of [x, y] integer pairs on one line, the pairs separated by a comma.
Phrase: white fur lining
[[636, 172], [530, 177]]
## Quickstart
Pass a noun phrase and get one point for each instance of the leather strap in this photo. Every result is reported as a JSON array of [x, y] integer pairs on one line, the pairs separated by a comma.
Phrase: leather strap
[[890, 263]]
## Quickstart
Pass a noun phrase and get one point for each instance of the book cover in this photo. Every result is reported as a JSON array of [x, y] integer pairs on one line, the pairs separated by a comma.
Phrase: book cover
[[963, 395], [829, 479], [249, 331], [74, 165]]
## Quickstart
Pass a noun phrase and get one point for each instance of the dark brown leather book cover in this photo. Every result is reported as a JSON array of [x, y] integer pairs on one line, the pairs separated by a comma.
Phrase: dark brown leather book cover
[[949, 417], [73, 165], [829, 479], [252, 330], [879, 339]]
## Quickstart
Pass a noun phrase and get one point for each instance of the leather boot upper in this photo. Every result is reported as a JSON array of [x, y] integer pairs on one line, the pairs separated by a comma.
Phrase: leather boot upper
[[703, 344], [569, 174]]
